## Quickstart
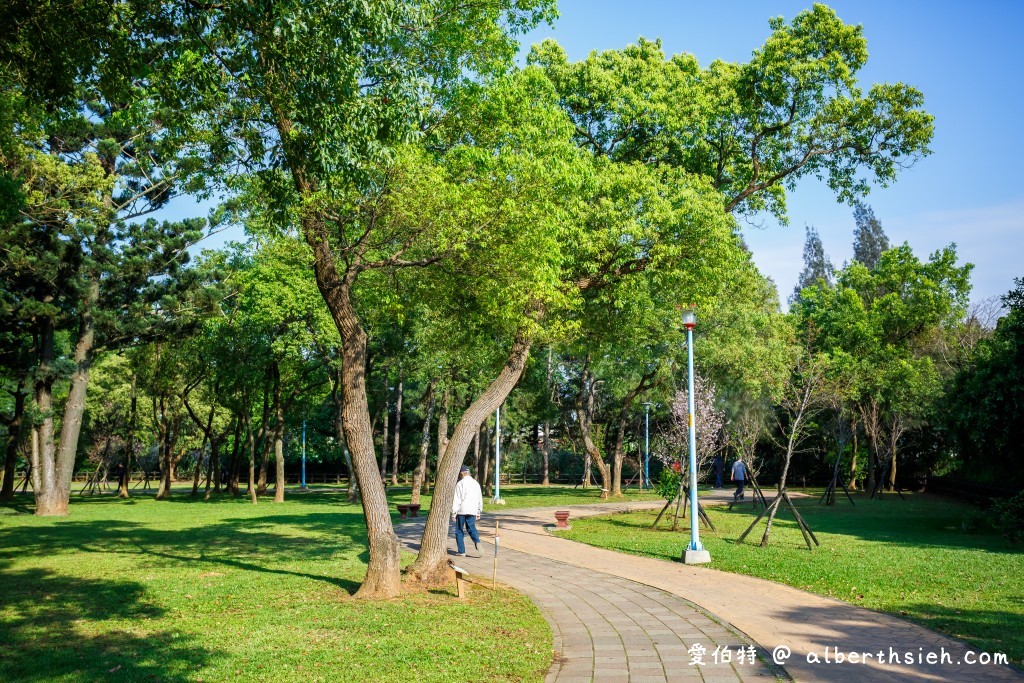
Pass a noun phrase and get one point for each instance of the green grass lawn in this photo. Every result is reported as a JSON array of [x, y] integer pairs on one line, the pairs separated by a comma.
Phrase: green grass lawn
[[187, 590], [909, 558]]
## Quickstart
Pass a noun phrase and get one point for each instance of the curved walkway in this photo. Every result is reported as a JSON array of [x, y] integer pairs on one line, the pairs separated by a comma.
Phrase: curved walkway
[[624, 617]]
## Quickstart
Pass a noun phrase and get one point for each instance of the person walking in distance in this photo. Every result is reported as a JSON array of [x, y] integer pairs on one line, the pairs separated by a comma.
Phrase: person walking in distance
[[466, 509], [739, 475], [719, 469]]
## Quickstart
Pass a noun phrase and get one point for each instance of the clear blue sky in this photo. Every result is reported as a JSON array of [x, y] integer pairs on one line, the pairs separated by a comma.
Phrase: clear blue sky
[[967, 59]]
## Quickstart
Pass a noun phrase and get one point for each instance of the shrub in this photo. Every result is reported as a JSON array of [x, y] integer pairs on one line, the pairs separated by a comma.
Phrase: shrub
[[668, 483], [1008, 516]]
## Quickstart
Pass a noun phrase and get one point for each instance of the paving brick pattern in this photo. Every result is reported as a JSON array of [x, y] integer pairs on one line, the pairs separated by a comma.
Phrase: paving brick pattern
[[609, 629], [620, 617]]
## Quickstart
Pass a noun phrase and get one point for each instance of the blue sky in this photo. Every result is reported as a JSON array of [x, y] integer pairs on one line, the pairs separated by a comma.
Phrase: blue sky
[[967, 59]]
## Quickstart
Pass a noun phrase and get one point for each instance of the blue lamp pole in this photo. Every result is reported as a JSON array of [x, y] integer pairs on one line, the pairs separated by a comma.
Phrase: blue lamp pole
[[303, 454], [647, 445], [695, 552]]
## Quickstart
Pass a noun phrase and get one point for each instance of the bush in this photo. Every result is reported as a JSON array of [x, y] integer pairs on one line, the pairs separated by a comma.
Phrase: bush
[[668, 483], [1008, 516], [977, 521]]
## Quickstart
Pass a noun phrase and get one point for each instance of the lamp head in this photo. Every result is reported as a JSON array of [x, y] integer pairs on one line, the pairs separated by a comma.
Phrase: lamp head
[[689, 317]]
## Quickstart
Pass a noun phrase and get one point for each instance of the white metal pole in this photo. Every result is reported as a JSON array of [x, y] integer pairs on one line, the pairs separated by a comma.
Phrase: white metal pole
[[497, 455]]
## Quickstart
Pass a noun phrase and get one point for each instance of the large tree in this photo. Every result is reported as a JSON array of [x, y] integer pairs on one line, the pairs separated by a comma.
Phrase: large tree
[[983, 406], [869, 239], [878, 327], [325, 93], [751, 129], [91, 153]]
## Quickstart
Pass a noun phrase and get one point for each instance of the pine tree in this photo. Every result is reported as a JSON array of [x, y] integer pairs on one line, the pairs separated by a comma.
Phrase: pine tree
[[817, 266], [869, 240]]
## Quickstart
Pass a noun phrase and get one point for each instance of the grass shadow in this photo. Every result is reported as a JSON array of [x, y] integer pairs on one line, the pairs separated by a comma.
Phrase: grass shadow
[[72, 624]]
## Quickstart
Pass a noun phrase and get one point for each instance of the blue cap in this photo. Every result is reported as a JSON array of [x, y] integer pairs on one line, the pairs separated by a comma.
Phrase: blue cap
[[465, 468]]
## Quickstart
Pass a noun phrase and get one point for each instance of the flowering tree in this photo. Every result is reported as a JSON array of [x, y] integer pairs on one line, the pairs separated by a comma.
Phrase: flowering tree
[[709, 422]]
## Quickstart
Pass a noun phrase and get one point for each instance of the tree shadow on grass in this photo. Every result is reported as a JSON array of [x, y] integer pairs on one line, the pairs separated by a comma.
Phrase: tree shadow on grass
[[57, 627], [234, 543], [921, 521]]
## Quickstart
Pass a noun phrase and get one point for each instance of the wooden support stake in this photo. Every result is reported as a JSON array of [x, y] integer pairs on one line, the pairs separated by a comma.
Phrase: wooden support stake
[[800, 520], [497, 539], [750, 528]]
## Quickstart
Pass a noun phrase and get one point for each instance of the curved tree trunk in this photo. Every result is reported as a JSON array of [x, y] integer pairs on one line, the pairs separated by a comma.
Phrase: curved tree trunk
[[431, 563], [58, 463], [383, 578]]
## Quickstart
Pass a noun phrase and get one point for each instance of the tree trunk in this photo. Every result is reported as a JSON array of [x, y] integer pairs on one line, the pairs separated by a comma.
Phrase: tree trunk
[[546, 481], [213, 468], [279, 476], [421, 468], [278, 437], [794, 433], [339, 430], [207, 438], [442, 427], [74, 408], [235, 463], [166, 455], [130, 448], [853, 463], [485, 448], [872, 426], [431, 562], [250, 447], [386, 432], [645, 383], [398, 426], [383, 578], [58, 464], [895, 434], [477, 462], [14, 436], [547, 431], [584, 419]]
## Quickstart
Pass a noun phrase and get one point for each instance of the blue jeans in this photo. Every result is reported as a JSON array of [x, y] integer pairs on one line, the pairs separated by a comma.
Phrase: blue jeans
[[464, 523], [739, 489]]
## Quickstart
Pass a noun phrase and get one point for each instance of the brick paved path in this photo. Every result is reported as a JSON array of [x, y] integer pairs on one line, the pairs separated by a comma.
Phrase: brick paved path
[[609, 629], [655, 615]]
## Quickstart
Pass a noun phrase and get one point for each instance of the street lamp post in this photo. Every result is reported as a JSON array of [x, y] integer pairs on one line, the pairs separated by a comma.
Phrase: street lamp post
[[647, 444], [303, 454], [497, 457], [695, 552]]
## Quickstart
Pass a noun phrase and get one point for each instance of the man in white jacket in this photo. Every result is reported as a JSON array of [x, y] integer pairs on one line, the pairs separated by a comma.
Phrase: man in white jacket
[[466, 509]]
